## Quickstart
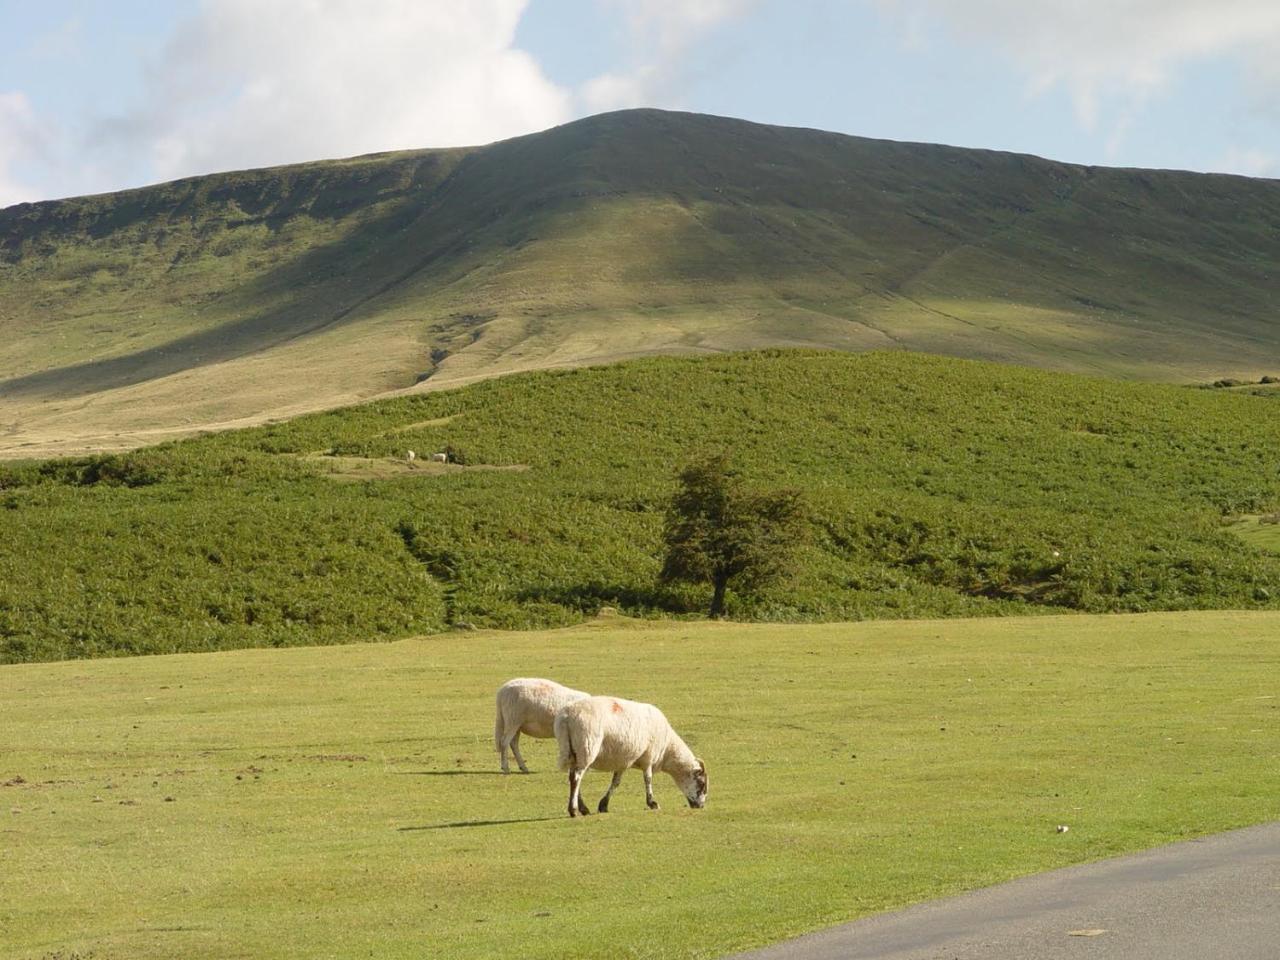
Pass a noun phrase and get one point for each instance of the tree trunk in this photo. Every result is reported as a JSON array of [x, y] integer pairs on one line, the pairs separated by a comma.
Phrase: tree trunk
[[717, 598]]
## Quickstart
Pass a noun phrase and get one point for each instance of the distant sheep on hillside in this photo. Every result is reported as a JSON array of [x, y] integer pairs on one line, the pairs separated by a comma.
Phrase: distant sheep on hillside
[[608, 733], [528, 705]]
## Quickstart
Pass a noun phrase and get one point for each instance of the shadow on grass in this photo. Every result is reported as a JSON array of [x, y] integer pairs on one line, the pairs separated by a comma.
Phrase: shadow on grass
[[588, 598], [477, 823], [451, 773]]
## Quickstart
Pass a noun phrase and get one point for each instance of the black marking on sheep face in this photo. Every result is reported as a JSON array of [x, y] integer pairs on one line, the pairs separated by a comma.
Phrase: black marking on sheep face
[[696, 789]]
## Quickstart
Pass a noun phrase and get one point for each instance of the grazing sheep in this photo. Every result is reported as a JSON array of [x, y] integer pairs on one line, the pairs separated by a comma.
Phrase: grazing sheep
[[440, 458], [607, 733], [410, 456], [528, 705]]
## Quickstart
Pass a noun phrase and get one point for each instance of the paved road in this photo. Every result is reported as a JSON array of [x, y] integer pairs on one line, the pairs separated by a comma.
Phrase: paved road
[[1218, 897]]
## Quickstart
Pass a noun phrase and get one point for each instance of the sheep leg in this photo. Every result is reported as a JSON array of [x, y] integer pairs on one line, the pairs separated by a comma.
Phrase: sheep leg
[[648, 789], [613, 785], [515, 749], [502, 754], [576, 804]]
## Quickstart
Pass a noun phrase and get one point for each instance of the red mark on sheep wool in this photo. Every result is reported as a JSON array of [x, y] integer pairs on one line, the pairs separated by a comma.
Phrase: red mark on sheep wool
[[617, 707]]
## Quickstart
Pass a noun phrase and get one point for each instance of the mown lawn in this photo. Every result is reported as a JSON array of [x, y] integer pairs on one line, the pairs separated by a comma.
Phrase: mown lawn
[[344, 801]]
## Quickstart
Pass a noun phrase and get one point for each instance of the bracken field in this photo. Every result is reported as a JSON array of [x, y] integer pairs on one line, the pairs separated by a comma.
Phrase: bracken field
[[933, 488]]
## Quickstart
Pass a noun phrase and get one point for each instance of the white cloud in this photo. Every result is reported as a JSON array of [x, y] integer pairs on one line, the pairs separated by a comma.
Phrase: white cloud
[[661, 33], [21, 142], [1118, 52], [245, 83], [617, 91], [673, 26]]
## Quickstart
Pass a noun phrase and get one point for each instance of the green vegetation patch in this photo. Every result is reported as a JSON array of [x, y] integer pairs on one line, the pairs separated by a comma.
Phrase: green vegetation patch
[[1261, 530], [932, 487], [346, 801], [382, 468]]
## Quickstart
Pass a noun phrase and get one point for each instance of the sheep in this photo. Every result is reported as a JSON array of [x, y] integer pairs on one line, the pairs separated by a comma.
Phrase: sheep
[[527, 705], [608, 733]]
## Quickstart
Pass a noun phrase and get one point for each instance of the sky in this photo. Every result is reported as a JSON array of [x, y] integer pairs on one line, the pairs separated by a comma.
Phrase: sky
[[98, 96]]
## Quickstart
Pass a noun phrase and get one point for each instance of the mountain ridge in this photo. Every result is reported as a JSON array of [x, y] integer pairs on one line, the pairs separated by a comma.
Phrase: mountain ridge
[[384, 155], [264, 292]]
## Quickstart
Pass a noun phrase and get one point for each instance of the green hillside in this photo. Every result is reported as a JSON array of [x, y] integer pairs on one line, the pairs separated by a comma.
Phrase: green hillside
[[934, 487], [235, 297]]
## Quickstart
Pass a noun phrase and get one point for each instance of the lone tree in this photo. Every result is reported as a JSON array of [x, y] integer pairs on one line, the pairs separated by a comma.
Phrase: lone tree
[[717, 531]]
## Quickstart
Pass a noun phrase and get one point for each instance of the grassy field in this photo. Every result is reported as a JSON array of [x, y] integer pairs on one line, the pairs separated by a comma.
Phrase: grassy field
[[227, 299], [344, 801], [1051, 493], [1261, 531]]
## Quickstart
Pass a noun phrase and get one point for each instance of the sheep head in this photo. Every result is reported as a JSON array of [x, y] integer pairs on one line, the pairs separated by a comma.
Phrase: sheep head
[[693, 782]]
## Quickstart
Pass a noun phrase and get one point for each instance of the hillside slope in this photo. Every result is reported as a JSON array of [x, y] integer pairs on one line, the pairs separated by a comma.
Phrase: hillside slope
[[1053, 492], [262, 293]]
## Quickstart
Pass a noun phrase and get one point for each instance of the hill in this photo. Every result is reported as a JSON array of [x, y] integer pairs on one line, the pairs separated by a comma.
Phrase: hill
[[1051, 493], [236, 297]]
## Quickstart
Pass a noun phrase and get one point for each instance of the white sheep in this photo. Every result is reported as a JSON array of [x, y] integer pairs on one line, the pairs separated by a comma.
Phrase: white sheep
[[608, 733], [528, 705]]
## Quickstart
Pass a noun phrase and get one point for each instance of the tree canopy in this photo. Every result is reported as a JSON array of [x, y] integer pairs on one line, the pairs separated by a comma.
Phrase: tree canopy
[[717, 530]]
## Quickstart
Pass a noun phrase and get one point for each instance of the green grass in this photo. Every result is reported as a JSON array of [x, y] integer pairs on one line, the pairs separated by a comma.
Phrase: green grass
[[262, 293], [1260, 531], [344, 801], [933, 487]]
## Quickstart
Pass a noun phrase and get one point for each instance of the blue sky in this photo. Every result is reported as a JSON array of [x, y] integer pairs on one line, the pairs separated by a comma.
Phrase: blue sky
[[97, 96]]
